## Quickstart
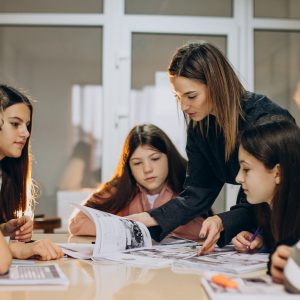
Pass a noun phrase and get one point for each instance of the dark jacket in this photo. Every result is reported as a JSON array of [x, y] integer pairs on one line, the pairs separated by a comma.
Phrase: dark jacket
[[207, 172]]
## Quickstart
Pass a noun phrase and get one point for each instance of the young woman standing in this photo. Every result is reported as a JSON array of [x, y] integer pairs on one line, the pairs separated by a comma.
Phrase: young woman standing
[[217, 108]]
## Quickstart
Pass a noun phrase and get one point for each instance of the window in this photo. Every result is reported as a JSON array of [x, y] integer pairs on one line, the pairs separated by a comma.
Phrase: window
[[48, 62], [53, 6], [180, 8]]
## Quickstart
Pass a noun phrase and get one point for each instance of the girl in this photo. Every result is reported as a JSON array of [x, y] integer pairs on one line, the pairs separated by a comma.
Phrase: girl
[[269, 175], [16, 115], [218, 108], [15, 195], [150, 172]]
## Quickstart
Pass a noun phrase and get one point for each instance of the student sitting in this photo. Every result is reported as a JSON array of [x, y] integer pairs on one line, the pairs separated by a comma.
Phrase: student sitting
[[269, 174], [15, 168], [150, 173]]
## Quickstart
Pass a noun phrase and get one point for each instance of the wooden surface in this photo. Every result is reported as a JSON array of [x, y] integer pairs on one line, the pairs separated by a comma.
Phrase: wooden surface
[[47, 224]]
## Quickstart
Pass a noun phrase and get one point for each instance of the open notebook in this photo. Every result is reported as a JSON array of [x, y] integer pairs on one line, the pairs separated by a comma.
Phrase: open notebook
[[34, 274]]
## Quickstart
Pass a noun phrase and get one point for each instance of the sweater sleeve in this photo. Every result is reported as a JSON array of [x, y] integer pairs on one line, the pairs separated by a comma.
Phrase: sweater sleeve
[[80, 224]]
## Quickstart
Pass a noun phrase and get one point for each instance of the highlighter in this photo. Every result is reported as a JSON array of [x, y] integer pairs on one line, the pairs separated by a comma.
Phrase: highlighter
[[224, 281]]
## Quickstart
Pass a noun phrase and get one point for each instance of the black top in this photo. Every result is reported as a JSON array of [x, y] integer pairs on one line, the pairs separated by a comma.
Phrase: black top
[[207, 172]]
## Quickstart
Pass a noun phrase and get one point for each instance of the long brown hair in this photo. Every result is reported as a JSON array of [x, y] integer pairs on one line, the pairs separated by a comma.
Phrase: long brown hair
[[276, 140], [16, 172], [117, 193], [206, 63]]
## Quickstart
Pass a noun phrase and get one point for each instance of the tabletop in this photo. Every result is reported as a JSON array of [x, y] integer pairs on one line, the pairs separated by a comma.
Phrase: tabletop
[[108, 280]]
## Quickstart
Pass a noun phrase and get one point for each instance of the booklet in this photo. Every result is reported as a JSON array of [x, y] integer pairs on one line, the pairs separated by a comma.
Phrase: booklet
[[248, 288], [224, 260], [114, 235], [34, 274], [183, 258]]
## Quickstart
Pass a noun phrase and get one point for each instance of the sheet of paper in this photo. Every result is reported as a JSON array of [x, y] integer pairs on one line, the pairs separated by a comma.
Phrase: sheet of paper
[[224, 260], [78, 250], [34, 274]]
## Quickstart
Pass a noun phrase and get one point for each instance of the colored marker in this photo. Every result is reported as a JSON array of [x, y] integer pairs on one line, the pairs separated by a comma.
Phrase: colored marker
[[224, 281]]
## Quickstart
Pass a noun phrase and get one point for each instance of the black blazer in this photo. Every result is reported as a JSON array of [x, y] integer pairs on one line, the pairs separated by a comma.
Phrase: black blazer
[[207, 172]]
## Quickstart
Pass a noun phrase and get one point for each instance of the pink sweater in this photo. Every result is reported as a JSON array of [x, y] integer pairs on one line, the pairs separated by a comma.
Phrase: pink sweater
[[80, 224]]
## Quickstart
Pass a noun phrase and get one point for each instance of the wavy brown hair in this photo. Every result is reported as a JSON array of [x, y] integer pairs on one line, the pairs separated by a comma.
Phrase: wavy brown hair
[[276, 140], [204, 62], [16, 172], [115, 194]]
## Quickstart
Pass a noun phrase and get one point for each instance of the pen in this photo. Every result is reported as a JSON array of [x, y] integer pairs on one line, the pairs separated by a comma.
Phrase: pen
[[254, 235], [224, 281], [31, 241]]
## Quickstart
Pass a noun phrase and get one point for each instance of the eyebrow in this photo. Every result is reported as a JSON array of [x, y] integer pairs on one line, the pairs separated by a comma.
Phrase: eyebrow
[[19, 119], [132, 158], [155, 153], [243, 161], [186, 93], [190, 92]]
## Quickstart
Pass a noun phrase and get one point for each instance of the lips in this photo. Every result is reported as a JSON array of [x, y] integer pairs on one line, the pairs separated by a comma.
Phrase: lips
[[245, 190], [20, 144], [150, 178]]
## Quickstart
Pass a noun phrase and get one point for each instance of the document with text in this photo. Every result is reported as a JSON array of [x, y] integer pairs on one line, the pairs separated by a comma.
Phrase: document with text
[[34, 274]]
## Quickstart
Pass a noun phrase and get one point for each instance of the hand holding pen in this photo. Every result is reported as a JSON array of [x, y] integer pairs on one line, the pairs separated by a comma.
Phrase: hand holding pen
[[253, 237], [246, 241]]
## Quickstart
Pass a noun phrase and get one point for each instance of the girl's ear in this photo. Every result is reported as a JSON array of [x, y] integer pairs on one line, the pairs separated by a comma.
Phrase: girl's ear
[[276, 170]]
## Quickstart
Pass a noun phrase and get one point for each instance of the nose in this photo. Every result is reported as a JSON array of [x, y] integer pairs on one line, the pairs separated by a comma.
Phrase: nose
[[184, 105], [239, 177], [24, 131], [147, 166]]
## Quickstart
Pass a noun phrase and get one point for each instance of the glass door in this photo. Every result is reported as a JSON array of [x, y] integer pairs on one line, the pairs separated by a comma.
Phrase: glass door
[[148, 45]]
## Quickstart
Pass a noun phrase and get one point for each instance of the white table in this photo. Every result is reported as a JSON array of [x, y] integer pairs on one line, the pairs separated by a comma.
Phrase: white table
[[107, 280]]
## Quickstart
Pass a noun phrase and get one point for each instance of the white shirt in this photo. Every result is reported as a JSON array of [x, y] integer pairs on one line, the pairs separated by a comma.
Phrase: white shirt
[[151, 199]]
